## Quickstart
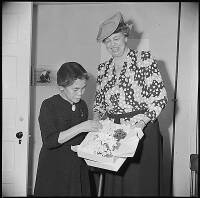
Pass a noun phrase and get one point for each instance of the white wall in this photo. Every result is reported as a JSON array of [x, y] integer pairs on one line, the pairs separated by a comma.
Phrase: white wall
[[186, 119], [67, 32]]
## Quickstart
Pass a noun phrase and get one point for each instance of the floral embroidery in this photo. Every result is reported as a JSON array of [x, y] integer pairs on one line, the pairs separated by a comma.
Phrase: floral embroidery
[[139, 87]]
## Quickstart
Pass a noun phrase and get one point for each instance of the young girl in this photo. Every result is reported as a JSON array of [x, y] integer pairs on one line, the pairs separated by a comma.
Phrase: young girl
[[63, 123]]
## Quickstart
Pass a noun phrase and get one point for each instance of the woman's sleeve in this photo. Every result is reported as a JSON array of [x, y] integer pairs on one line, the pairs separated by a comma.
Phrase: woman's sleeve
[[48, 129], [99, 102], [154, 89]]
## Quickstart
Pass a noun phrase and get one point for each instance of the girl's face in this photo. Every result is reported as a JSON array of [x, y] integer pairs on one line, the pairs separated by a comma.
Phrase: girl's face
[[74, 92], [116, 44]]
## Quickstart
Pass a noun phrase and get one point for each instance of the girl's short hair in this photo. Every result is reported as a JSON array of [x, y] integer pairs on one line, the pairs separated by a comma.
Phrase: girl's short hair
[[69, 72]]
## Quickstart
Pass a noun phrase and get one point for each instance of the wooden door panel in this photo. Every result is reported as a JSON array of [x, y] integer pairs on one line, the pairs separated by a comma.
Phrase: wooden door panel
[[16, 50]]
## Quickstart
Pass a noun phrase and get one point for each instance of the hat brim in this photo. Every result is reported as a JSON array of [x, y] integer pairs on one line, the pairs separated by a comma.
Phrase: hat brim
[[109, 26]]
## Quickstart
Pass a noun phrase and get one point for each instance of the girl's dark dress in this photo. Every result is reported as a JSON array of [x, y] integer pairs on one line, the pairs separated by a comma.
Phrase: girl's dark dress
[[60, 171]]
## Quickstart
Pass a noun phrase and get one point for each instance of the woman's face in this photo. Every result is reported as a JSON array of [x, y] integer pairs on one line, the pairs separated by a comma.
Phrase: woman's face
[[74, 92], [116, 44]]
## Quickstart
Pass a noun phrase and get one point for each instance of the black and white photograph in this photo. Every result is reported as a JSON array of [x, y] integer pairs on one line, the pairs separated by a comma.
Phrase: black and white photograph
[[100, 99]]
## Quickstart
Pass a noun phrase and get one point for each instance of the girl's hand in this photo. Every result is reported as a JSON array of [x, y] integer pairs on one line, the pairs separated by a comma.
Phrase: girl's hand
[[90, 125]]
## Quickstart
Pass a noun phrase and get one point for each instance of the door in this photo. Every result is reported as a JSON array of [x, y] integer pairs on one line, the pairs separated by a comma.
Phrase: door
[[16, 54]]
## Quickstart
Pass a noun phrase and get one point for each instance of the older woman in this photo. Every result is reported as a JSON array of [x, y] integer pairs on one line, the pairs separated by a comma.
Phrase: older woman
[[130, 90]]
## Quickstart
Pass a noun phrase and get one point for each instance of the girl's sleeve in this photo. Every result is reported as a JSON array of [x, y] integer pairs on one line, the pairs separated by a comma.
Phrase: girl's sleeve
[[99, 102], [84, 111], [154, 89], [49, 132]]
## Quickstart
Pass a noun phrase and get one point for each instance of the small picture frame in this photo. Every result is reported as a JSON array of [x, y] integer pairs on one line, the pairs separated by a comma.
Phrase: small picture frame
[[44, 76]]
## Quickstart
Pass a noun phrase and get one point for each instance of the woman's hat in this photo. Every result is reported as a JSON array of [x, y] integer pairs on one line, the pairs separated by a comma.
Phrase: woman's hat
[[109, 26]]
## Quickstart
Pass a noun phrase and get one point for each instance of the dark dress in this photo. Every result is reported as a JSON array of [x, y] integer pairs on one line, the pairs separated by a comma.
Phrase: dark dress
[[60, 171], [141, 175], [139, 91]]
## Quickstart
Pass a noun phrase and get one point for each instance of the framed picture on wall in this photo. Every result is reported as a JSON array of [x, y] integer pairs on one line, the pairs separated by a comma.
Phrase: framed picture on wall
[[44, 76]]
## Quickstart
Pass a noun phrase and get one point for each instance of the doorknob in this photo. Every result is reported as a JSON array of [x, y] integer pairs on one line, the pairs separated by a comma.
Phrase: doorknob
[[19, 135]]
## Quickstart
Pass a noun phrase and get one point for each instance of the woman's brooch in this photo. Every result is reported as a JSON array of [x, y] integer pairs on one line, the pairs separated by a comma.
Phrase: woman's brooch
[[73, 107]]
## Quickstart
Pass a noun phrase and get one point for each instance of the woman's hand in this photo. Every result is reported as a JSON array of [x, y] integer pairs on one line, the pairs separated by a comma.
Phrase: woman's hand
[[96, 116], [90, 125], [140, 124]]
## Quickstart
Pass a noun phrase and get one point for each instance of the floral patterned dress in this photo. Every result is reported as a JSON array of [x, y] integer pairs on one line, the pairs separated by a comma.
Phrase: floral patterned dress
[[140, 89]]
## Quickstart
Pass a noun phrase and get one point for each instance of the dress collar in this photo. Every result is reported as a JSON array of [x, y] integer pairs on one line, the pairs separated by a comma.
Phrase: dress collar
[[111, 59]]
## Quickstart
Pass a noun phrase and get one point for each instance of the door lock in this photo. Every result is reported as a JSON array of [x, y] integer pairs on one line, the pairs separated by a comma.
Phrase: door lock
[[19, 135]]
